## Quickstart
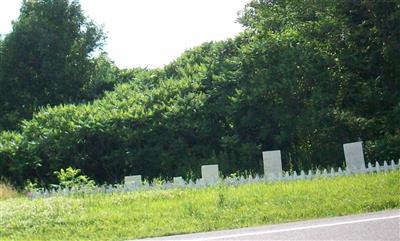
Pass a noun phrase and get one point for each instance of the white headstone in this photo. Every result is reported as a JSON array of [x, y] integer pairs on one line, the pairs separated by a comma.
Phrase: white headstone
[[133, 180], [272, 164], [209, 173], [178, 181], [353, 153]]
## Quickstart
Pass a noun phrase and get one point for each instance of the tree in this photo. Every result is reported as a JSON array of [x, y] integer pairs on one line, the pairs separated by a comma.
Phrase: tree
[[104, 78], [342, 58], [370, 96], [45, 60]]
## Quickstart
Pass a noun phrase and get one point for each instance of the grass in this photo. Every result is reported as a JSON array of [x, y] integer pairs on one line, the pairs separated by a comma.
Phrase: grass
[[7, 191], [156, 213]]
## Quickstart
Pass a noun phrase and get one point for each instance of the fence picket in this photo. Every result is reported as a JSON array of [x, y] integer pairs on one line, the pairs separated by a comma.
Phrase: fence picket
[[377, 167], [385, 166]]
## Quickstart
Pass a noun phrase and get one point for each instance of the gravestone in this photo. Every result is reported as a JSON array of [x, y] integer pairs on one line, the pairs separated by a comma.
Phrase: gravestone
[[272, 164], [178, 181], [353, 153], [135, 180], [209, 174]]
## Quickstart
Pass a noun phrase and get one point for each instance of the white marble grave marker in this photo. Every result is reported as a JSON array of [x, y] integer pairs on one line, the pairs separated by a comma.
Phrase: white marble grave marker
[[272, 164], [133, 180], [353, 153], [209, 173], [178, 181]]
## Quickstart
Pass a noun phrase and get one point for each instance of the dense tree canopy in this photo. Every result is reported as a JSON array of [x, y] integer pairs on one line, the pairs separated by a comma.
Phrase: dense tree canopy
[[45, 60], [304, 77]]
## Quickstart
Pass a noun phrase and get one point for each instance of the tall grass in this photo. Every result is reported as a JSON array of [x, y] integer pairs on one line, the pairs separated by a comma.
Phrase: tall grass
[[7, 191], [124, 216]]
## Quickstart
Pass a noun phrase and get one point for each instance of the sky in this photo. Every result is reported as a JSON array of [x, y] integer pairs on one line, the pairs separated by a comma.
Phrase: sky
[[151, 33]]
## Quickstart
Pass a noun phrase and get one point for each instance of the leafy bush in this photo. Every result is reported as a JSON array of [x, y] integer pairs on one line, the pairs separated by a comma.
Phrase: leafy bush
[[71, 177]]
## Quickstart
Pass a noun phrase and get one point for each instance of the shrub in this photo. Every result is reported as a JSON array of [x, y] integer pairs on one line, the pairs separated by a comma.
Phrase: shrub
[[71, 177]]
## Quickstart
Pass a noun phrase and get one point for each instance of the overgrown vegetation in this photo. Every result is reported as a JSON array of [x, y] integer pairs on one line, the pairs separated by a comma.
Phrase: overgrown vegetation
[[7, 191], [47, 59], [157, 213], [70, 177], [304, 77]]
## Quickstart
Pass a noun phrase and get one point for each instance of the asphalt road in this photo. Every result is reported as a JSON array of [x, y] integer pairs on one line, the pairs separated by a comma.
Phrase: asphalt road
[[383, 225]]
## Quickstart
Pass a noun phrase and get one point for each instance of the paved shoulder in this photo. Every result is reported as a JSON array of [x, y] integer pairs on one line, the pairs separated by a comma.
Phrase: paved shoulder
[[383, 225]]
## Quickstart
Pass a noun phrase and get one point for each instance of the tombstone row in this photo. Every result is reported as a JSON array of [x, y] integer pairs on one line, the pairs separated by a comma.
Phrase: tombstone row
[[353, 153], [134, 183], [272, 163], [209, 175]]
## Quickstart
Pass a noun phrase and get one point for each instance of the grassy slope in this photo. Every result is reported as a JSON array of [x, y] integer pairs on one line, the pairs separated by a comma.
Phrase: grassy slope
[[156, 213]]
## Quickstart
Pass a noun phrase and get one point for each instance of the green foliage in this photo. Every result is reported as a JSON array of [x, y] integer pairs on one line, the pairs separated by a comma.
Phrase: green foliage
[[103, 78], [304, 77], [30, 186], [165, 212], [10, 166], [71, 177], [369, 96], [45, 60]]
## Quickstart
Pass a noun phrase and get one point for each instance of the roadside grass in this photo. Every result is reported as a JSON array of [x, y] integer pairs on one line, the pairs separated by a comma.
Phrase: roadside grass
[[127, 216], [7, 191]]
